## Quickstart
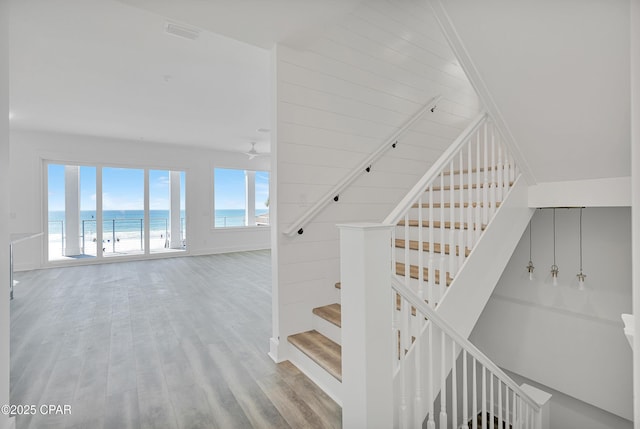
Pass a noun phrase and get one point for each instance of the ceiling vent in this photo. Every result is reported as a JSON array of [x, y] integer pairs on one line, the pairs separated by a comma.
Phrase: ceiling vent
[[181, 31]]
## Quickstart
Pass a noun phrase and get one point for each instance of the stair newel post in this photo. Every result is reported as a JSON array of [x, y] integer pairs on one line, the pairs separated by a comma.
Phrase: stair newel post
[[367, 367], [485, 182]]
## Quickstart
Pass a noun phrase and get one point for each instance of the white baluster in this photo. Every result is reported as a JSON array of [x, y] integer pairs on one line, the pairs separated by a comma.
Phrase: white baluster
[[432, 274], [500, 196], [417, 403], [465, 409], [471, 233], [463, 231], [500, 419], [485, 183], [478, 200], [494, 174], [474, 402], [394, 258], [452, 229], [404, 418], [407, 267], [443, 380], [442, 238], [508, 419], [454, 388], [484, 395], [491, 400], [431, 423], [421, 278], [507, 174]]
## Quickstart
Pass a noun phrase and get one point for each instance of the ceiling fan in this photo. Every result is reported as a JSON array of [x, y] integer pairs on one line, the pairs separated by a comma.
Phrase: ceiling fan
[[252, 153]]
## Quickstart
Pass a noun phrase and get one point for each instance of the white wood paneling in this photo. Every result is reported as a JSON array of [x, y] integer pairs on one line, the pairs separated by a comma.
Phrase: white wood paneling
[[337, 101]]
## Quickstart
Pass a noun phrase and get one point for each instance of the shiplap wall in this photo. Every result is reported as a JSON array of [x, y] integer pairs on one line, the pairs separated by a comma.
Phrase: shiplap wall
[[337, 99]]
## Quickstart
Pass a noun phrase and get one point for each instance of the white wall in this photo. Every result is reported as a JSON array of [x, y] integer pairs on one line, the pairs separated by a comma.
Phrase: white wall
[[567, 412], [4, 209], [337, 100], [559, 336], [635, 173], [29, 148]]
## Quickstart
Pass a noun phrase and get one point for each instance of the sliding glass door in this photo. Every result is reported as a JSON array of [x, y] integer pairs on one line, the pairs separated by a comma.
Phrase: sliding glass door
[[96, 212], [71, 214]]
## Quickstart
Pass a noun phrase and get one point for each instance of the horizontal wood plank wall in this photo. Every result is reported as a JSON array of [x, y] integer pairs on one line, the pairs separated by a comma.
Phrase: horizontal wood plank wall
[[337, 99]]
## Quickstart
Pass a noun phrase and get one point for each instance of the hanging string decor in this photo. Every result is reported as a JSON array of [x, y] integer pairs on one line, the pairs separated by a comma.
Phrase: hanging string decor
[[530, 266], [581, 276], [554, 267]]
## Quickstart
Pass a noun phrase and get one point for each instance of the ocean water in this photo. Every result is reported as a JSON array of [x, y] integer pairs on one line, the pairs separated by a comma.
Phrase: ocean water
[[131, 222]]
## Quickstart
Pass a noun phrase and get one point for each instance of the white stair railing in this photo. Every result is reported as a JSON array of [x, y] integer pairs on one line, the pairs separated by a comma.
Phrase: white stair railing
[[430, 356], [421, 370], [441, 219], [333, 195]]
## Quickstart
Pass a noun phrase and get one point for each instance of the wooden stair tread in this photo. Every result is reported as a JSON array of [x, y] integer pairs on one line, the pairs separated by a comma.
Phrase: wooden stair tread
[[438, 224], [473, 170], [331, 313], [437, 247], [321, 350], [414, 270], [464, 186], [448, 205]]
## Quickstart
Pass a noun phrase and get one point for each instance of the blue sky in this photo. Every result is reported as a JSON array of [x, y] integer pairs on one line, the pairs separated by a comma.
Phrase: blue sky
[[123, 188], [229, 189]]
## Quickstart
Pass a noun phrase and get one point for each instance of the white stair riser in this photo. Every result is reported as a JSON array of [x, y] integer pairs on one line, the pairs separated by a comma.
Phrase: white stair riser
[[414, 234], [327, 329], [414, 259]]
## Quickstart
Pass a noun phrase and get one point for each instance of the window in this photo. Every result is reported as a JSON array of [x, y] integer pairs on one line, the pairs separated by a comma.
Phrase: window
[[241, 198], [75, 193]]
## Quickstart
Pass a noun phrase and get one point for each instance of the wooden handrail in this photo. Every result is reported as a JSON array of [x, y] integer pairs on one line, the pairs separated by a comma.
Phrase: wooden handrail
[[334, 194], [464, 343]]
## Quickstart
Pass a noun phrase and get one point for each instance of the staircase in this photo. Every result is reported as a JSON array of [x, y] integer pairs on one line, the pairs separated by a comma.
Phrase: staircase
[[450, 244]]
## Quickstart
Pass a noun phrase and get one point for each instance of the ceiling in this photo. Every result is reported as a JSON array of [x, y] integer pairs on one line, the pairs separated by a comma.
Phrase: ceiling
[[559, 73], [102, 67], [107, 67]]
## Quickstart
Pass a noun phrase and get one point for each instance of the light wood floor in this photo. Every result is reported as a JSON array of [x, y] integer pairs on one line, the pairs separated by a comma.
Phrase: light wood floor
[[172, 343]]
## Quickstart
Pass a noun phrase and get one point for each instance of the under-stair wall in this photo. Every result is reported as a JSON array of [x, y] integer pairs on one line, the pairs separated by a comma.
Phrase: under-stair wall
[[337, 99], [574, 340]]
